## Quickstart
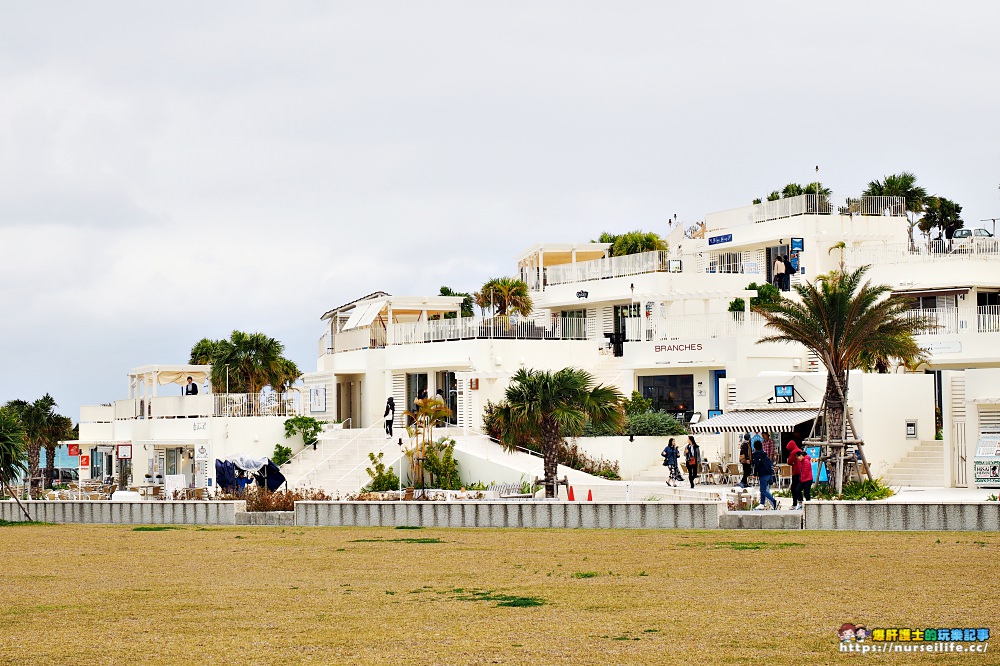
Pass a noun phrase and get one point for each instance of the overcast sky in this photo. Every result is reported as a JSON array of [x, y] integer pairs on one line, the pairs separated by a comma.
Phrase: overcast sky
[[176, 170]]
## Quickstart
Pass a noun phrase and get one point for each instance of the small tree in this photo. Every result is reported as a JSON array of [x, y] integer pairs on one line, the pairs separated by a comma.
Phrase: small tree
[[383, 478], [307, 426], [13, 453], [505, 295]]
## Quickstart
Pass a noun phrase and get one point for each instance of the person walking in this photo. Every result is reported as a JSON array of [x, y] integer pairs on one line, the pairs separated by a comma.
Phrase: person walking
[[805, 477], [777, 273], [389, 416], [793, 460], [764, 470], [745, 456], [670, 455], [692, 458]]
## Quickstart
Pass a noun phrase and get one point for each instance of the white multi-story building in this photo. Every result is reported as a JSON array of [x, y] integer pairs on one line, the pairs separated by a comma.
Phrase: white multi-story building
[[680, 343]]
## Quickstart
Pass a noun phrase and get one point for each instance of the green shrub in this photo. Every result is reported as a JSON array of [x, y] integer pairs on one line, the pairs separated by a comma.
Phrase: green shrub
[[874, 489], [636, 404], [590, 430], [281, 455], [653, 424], [309, 427], [441, 464], [382, 479], [571, 456]]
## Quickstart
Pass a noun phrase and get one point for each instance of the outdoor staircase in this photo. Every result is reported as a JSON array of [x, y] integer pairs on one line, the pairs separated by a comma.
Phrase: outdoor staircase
[[609, 371], [338, 464], [922, 466]]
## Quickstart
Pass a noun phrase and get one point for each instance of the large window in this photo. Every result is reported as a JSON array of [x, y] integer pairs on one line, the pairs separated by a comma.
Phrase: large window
[[669, 393]]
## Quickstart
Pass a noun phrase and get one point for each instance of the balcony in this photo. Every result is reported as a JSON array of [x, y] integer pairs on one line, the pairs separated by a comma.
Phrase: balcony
[[611, 267], [934, 252], [952, 321], [541, 327], [806, 204], [204, 406]]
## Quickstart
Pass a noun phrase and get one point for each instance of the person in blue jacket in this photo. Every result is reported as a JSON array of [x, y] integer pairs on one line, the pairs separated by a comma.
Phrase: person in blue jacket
[[765, 472]]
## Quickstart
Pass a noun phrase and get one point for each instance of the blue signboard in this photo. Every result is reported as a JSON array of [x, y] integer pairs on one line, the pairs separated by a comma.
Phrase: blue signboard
[[784, 391], [819, 470], [715, 240], [797, 245]]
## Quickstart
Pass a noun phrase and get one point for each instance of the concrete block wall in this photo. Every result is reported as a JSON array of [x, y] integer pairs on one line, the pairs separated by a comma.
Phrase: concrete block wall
[[646, 515], [128, 513], [969, 516], [273, 518]]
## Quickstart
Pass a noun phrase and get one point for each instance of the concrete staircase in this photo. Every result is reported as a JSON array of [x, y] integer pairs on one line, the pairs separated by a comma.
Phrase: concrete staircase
[[922, 466], [609, 371], [338, 464]]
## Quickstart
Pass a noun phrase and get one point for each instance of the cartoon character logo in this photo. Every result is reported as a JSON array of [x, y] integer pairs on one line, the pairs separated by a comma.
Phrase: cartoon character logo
[[861, 633], [846, 632]]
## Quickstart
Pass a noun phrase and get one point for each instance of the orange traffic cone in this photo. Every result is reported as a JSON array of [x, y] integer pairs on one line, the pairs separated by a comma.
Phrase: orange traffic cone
[[590, 496], [571, 498]]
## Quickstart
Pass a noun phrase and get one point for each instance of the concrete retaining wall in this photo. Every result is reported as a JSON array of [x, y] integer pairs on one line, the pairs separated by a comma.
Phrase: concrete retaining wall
[[971, 516], [282, 518], [761, 520], [648, 515], [129, 513]]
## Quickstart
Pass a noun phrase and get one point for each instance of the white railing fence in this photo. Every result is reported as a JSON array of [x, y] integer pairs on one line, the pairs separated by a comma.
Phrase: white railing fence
[[369, 337], [818, 204], [609, 267], [256, 404], [900, 253], [542, 327], [988, 319], [938, 321]]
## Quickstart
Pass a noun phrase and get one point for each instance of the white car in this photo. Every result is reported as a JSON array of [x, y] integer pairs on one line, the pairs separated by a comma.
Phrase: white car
[[974, 240]]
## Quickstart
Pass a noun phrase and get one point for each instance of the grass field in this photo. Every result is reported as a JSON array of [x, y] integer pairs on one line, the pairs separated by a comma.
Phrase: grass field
[[124, 595]]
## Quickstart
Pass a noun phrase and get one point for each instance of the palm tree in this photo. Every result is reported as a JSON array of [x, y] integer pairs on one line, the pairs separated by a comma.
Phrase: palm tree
[[543, 407], [429, 412], [506, 294], [13, 453], [246, 362], [940, 212], [792, 190], [904, 185], [842, 321], [467, 302], [43, 427]]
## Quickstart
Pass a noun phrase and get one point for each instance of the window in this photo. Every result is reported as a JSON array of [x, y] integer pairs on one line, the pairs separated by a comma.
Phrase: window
[[669, 393]]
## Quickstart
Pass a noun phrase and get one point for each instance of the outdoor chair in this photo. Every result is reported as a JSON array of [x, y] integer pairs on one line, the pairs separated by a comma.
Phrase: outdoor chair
[[784, 476], [734, 473], [718, 473]]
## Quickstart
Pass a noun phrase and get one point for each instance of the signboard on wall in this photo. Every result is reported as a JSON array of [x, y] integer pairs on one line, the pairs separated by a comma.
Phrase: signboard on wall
[[124, 452], [317, 399], [73, 450], [84, 461], [716, 240]]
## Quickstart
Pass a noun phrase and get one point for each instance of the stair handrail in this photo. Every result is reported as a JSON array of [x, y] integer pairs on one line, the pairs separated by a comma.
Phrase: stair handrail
[[305, 448], [504, 446], [352, 440], [364, 463]]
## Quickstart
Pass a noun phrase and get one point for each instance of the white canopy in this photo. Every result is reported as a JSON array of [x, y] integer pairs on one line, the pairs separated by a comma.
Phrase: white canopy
[[364, 314], [773, 420], [171, 374], [248, 463]]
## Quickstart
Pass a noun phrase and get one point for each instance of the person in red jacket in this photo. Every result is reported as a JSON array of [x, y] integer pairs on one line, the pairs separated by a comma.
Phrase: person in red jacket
[[805, 476], [793, 460]]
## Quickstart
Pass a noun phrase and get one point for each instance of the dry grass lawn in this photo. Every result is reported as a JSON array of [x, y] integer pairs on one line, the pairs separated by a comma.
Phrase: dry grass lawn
[[115, 595]]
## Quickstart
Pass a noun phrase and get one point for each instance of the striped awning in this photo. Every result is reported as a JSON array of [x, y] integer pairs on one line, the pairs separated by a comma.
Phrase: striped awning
[[773, 420]]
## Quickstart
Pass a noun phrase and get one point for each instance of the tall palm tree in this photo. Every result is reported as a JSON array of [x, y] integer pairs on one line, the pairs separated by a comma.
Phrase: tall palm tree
[[13, 453], [507, 294], [792, 190], [43, 427], [246, 362], [843, 321], [543, 407], [903, 184]]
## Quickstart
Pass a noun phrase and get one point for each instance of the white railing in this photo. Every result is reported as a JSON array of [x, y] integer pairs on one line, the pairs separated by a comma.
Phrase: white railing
[[989, 319], [939, 321], [551, 327], [610, 267], [818, 204], [256, 404], [370, 337], [900, 253], [746, 263], [715, 325]]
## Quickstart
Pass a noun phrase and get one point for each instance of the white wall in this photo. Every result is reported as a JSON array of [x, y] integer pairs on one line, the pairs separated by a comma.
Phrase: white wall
[[882, 404]]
